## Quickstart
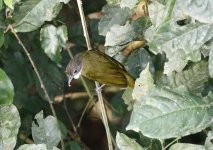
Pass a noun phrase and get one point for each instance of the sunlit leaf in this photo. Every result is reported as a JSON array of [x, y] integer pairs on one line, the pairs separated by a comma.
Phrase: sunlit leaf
[[6, 89], [193, 78], [124, 142], [46, 130], [128, 3], [31, 14], [113, 15], [113, 2], [211, 61], [128, 99], [184, 146], [35, 147], [9, 126], [165, 113], [52, 40], [9, 3], [143, 84], [208, 142], [180, 43], [199, 10]]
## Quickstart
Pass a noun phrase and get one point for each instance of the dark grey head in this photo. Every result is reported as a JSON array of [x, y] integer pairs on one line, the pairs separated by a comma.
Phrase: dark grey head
[[74, 69]]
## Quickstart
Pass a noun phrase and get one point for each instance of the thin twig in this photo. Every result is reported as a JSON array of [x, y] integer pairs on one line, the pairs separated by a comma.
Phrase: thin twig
[[100, 97], [38, 75], [175, 140]]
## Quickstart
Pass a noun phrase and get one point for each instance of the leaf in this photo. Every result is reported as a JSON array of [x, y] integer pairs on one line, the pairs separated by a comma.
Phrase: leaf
[[211, 61], [208, 141], [119, 35], [143, 84], [1, 6], [114, 50], [9, 126], [1, 35], [128, 99], [113, 2], [73, 145], [199, 10], [9, 3], [181, 146], [33, 13], [124, 142], [128, 3], [165, 113], [46, 131], [137, 61], [53, 40], [156, 11], [193, 78], [35, 147], [113, 15], [6, 89], [180, 43]]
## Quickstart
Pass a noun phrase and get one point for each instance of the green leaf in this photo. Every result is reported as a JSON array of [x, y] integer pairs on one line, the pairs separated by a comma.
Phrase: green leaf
[[1, 4], [31, 14], [46, 131], [183, 146], [193, 78], [211, 61], [208, 142], [180, 43], [127, 97], [73, 145], [53, 40], [9, 3], [143, 84], [113, 2], [137, 61], [113, 15], [128, 3], [124, 142], [9, 126], [165, 113], [199, 10], [35, 147], [1, 35], [6, 89]]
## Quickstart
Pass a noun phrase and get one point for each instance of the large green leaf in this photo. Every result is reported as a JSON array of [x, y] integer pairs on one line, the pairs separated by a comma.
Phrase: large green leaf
[[193, 78], [113, 15], [53, 40], [9, 3], [165, 113], [9, 126], [6, 89], [46, 131], [31, 14], [143, 84], [199, 10], [129, 3], [180, 43], [35, 147], [124, 142], [183, 146]]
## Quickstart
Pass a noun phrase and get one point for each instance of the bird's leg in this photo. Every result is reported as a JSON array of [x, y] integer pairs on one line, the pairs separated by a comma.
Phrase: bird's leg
[[100, 87]]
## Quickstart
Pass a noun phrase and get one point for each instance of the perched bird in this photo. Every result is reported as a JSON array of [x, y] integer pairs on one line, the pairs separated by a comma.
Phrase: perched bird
[[99, 67]]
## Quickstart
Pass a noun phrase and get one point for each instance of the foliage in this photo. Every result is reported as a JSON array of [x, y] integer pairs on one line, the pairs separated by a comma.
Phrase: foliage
[[167, 46]]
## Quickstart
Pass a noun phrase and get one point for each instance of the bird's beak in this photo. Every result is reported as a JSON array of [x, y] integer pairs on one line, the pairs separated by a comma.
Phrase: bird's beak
[[70, 77]]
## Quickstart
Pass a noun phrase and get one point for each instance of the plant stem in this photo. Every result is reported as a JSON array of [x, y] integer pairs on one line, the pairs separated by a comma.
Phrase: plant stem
[[100, 97], [38, 75]]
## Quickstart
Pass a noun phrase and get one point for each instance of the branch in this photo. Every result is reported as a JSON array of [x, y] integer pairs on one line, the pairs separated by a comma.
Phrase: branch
[[37, 74], [100, 97]]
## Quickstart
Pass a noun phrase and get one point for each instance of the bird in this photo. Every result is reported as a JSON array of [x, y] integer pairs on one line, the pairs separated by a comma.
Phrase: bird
[[99, 67]]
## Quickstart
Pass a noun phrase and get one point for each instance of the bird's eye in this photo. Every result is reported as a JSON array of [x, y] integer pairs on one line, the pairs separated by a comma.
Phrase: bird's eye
[[75, 71]]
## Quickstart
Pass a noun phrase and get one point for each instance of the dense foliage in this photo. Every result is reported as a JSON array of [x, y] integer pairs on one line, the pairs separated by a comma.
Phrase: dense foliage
[[166, 45]]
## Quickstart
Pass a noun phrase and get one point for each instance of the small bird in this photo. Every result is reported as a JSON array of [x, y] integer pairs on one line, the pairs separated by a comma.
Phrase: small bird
[[99, 67]]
